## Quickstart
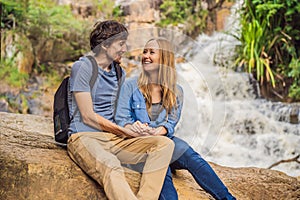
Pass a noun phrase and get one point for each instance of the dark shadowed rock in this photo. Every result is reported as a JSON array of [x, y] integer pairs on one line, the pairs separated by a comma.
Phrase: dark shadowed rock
[[33, 167]]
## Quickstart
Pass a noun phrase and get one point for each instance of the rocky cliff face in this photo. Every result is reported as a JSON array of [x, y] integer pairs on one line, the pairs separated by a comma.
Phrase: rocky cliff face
[[33, 167]]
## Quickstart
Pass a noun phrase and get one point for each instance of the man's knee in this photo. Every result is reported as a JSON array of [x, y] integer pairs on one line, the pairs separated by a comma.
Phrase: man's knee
[[165, 141]]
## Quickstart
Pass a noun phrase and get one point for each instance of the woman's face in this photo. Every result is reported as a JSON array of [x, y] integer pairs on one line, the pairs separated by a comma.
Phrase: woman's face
[[150, 57]]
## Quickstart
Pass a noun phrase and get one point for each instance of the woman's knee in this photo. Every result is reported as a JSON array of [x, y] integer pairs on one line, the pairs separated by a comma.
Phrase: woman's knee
[[181, 147], [188, 159]]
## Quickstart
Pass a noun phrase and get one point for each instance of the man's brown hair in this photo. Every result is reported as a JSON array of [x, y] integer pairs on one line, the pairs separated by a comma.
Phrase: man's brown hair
[[105, 33]]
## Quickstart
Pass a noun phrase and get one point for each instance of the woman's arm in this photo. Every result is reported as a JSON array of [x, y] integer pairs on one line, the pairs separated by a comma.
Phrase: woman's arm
[[173, 117], [124, 114]]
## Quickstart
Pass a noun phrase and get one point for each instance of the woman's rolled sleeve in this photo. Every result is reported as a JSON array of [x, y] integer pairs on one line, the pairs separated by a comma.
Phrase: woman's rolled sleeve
[[123, 114]]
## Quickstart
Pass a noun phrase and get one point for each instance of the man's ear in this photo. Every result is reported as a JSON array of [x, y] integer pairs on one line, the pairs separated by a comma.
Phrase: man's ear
[[104, 47]]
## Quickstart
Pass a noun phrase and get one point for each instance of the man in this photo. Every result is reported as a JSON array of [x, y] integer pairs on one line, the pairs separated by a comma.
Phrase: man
[[96, 143]]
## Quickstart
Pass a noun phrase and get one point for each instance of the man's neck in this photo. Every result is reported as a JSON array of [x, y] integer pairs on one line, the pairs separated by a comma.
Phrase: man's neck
[[103, 62]]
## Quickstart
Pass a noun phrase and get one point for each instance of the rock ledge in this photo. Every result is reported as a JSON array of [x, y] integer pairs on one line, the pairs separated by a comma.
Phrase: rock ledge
[[33, 167]]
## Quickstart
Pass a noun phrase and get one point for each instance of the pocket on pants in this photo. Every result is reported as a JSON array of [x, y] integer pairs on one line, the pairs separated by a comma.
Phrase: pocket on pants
[[72, 138]]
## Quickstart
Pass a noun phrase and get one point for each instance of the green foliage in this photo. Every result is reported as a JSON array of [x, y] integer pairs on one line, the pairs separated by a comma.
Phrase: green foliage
[[117, 12], [270, 40], [51, 20], [188, 13], [294, 67], [173, 12], [10, 74], [12, 12], [42, 20], [53, 78], [106, 8]]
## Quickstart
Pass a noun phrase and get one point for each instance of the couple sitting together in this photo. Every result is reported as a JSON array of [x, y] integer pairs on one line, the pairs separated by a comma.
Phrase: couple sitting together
[[131, 122]]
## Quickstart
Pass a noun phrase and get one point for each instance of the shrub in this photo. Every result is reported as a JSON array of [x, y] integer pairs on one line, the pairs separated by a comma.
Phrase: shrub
[[270, 41]]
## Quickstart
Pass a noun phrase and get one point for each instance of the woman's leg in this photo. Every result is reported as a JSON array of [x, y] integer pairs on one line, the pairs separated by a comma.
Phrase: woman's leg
[[201, 171], [168, 191]]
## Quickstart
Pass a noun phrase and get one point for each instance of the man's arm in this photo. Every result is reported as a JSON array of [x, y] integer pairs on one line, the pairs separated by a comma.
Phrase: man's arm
[[90, 118]]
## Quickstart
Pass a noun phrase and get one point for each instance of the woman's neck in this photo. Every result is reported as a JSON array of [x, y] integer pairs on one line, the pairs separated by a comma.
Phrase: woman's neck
[[153, 78], [155, 93]]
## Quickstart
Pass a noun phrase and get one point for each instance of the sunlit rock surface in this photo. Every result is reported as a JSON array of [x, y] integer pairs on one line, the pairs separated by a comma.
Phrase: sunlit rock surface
[[33, 167]]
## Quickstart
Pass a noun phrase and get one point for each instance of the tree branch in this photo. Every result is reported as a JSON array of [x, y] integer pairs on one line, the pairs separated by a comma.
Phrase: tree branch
[[295, 159], [218, 4]]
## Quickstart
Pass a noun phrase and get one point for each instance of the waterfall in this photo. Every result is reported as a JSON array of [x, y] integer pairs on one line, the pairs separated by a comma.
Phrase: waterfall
[[224, 118]]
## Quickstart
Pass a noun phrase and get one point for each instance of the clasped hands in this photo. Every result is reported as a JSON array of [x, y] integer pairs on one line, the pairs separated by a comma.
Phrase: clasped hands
[[143, 129]]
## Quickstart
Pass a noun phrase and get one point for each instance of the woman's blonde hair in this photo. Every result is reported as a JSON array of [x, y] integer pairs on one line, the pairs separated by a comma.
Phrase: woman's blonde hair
[[167, 76]]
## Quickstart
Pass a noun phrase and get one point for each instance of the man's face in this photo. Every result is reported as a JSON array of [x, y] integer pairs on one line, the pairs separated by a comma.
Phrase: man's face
[[116, 50]]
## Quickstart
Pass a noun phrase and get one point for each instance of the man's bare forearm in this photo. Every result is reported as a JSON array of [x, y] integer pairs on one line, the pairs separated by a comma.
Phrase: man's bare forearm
[[108, 126]]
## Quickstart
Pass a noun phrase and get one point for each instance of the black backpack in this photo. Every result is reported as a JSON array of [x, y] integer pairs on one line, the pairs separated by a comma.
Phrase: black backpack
[[61, 118]]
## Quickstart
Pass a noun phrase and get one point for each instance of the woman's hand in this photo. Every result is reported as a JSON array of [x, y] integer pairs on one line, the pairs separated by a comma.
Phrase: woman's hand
[[158, 131], [143, 129], [139, 127], [128, 133]]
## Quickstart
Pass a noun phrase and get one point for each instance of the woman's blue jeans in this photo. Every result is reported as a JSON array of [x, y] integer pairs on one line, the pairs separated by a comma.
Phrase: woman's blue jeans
[[184, 157]]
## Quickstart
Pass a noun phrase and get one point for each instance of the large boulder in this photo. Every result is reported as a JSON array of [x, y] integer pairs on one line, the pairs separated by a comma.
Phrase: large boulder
[[32, 167]]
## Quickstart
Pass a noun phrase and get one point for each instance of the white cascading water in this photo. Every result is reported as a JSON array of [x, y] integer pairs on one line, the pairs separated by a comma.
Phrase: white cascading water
[[224, 119]]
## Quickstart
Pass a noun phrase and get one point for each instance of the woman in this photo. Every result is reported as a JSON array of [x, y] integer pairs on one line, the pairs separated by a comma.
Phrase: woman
[[152, 103]]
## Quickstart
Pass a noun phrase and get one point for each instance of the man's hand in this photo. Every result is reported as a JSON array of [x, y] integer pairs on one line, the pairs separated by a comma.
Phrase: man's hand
[[129, 133], [139, 128]]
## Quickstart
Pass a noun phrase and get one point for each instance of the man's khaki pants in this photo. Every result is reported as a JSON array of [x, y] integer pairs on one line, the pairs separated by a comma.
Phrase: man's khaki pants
[[100, 155]]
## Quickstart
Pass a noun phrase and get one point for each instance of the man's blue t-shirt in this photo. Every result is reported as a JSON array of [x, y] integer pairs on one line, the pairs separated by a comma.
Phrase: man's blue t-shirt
[[104, 93]]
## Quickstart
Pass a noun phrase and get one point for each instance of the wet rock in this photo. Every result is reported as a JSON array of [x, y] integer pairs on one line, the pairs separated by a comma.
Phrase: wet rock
[[294, 114], [3, 105], [33, 167], [49, 50]]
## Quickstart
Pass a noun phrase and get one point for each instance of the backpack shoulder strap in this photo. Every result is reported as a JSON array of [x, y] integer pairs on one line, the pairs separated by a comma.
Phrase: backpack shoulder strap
[[95, 71], [119, 79], [118, 72]]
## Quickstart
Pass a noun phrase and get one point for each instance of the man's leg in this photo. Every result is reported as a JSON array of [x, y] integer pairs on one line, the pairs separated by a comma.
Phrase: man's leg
[[90, 152], [168, 190], [155, 152]]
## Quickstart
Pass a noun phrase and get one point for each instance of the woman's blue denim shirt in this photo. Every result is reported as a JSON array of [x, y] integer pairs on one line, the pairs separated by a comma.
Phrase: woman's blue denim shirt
[[132, 107]]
